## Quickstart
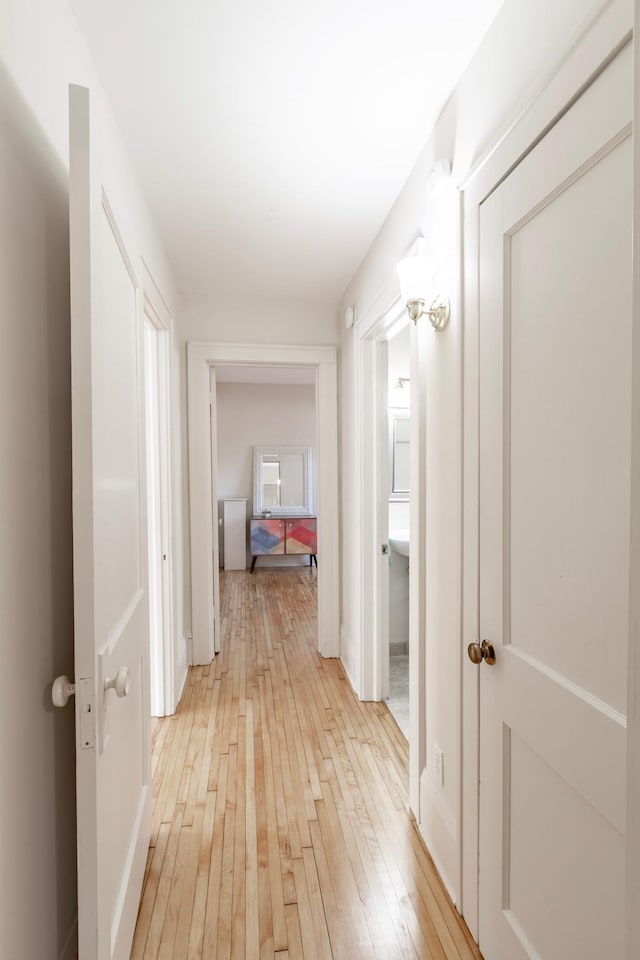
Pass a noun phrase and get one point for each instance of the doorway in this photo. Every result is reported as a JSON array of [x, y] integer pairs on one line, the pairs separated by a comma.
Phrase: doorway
[[201, 357], [375, 331], [396, 431], [265, 416]]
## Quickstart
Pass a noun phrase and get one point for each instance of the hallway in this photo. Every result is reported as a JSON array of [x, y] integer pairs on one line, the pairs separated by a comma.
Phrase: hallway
[[280, 827]]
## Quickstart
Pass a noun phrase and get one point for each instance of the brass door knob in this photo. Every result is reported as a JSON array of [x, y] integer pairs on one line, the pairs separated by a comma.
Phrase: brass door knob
[[474, 651], [478, 652]]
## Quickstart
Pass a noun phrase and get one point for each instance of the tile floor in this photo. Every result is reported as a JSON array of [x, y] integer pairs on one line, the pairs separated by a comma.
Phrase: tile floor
[[398, 701]]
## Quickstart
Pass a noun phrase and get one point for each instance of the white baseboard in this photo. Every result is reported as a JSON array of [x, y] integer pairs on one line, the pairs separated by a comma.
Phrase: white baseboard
[[181, 684], [344, 646], [446, 880], [437, 828]]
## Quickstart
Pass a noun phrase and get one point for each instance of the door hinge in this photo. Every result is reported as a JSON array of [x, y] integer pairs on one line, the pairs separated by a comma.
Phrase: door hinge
[[85, 695]]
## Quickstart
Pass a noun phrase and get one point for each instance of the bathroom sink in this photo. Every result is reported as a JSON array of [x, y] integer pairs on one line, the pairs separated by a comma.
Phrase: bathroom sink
[[399, 541]]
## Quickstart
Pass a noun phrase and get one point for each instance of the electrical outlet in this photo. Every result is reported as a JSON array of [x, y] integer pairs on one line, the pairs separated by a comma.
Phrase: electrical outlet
[[438, 765]]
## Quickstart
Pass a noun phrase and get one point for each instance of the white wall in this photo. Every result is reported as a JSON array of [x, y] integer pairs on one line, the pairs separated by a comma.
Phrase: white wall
[[242, 320], [523, 48], [41, 51], [259, 414]]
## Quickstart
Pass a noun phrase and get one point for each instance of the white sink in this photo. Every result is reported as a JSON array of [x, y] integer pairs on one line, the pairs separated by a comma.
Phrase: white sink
[[399, 541]]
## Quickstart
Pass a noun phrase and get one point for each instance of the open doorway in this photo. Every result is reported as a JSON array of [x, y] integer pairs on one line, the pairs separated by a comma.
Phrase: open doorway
[[398, 498], [385, 467], [201, 358], [380, 515], [266, 466]]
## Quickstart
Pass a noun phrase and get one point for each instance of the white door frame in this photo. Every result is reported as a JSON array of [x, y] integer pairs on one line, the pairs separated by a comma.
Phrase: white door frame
[[213, 433], [158, 315], [610, 32], [154, 522], [386, 316], [200, 357]]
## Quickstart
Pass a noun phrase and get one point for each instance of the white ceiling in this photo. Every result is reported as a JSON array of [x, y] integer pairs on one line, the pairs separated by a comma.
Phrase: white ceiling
[[272, 136]]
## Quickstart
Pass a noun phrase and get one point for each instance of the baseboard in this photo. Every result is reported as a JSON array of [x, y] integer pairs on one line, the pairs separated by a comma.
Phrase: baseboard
[[446, 880], [181, 685], [437, 828], [349, 680], [70, 948], [344, 645]]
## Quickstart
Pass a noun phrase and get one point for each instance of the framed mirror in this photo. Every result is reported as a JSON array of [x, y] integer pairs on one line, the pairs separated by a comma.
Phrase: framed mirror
[[399, 460], [283, 481]]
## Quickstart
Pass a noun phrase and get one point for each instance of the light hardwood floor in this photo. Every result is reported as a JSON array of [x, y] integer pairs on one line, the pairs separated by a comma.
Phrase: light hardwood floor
[[280, 823]]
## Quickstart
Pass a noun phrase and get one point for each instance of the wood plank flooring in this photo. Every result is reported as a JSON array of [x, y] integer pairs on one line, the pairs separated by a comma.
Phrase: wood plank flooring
[[280, 823]]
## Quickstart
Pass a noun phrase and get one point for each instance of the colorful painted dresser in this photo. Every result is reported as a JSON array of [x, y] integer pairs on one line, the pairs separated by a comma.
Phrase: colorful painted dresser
[[284, 535]]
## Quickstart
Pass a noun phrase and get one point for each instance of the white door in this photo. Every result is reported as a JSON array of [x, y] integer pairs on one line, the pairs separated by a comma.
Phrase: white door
[[109, 542], [555, 403]]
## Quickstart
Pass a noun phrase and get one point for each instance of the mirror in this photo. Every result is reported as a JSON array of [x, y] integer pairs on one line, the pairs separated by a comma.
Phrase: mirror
[[399, 431], [283, 481]]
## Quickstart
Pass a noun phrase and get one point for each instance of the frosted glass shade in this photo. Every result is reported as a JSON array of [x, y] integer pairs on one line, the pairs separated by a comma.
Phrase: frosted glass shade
[[415, 278]]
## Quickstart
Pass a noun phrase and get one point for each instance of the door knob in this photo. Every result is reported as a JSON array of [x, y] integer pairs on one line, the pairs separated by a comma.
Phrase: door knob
[[61, 690], [120, 683], [478, 652]]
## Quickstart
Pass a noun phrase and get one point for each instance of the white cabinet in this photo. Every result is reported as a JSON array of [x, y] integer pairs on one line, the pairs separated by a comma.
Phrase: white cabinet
[[235, 534]]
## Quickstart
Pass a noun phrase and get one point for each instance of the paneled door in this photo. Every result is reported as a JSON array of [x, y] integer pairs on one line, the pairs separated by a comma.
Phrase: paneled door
[[110, 578], [555, 404]]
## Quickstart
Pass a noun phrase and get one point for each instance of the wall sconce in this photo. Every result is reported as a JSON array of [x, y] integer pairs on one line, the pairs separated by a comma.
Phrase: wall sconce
[[399, 396], [415, 279]]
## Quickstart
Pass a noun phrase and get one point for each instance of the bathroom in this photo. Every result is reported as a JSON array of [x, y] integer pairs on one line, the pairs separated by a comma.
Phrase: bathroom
[[398, 399]]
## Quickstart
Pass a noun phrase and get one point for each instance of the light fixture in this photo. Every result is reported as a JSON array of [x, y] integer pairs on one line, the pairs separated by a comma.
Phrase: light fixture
[[415, 279], [399, 396]]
